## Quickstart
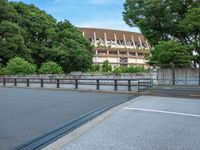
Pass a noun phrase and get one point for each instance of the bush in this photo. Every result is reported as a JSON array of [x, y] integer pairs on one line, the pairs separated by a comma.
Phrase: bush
[[2, 71], [106, 67], [129, 70], [50, 68], [19, 65], [95, 68], [117, 70]]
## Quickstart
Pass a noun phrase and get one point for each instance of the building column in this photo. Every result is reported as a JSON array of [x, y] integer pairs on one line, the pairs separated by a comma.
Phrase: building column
[[95, 39], [105, 39], [96, 56], [115, 38], [134, 45], [140, 43], [124, 40], [148, 47]]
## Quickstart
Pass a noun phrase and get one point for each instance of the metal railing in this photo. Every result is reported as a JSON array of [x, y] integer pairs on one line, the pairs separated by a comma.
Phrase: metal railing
[[139, 85]]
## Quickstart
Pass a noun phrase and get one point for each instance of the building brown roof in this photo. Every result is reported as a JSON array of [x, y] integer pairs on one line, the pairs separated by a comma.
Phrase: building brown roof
[[89, 33]]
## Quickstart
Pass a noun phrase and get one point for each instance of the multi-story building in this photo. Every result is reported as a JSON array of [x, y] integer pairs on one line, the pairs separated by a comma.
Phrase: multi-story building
[[120, 48]]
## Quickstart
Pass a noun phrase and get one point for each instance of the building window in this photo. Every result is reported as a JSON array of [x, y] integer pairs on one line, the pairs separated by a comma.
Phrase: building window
[[132, 53], [102, 53], [140, 54], [123, 60], [123, 53], [113, 53]]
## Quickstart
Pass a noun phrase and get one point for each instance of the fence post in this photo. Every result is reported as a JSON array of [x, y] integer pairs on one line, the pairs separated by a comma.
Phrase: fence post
[[129, 85], [199, 74], [97, 86], [27, 82], [15, 82], [115, 85], [138, 86], [151, 84], [42, 83], [76, 84], [58, 84], [173, 75], [4, 82]]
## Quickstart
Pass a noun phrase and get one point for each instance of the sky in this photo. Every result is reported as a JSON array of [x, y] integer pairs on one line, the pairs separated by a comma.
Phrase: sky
[[86, 13]]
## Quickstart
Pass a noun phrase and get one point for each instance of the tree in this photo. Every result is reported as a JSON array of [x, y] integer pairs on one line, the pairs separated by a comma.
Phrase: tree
[[50, 68], [39, 29], [106, 67], [19, 65], [12, 42], [70, 49], [170, 54], [7, 11], [29, 32], [161, 20]]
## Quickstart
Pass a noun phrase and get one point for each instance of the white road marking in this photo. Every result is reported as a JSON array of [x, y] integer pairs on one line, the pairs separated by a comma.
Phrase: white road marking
[[161, 111]]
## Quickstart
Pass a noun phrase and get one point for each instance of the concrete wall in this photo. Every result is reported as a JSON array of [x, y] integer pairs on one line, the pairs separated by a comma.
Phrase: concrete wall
[[89, 76], [181, 76]]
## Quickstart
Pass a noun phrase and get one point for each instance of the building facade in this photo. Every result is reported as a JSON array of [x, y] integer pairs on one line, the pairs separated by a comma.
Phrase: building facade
[[120, 48]]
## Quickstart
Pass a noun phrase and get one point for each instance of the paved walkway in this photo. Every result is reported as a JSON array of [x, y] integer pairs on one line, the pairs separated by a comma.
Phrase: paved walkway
[[150, 123]]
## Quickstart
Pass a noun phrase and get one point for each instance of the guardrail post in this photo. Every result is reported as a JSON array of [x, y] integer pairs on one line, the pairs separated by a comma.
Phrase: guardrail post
[[115, 85], [97, 84], [27, 82], [129, 85], [58, 83], [151, 84], [199, 74], [4, 82], [15, 82], [41, 83], [76, 84]]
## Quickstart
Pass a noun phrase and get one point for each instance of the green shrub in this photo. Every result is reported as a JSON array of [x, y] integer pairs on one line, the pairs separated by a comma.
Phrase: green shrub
[[19, 65], [95, 68], [2, 71], [106, 67], [117, 70], [131, 69], [50, 68]]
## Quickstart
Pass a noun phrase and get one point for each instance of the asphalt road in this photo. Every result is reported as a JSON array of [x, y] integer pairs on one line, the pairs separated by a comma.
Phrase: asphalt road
[[28, 113], [150, 123]]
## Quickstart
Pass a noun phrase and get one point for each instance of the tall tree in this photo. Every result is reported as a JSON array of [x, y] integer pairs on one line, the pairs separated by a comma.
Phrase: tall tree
[[39, 29], [12, 42], [161, 20], [70, 50], [29, 32]]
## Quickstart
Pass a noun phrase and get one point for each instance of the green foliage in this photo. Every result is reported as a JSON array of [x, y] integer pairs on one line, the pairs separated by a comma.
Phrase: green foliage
[[30, 33], [161, 20], [12, 42], [171, 53], [136, 69], [18, 65], [2, 71], [117, 70], [7, 11], [50, 68], [95, 68], [106, 67]]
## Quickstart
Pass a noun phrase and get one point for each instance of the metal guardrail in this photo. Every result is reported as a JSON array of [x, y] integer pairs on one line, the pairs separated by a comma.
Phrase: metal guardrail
[[140, 84]]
